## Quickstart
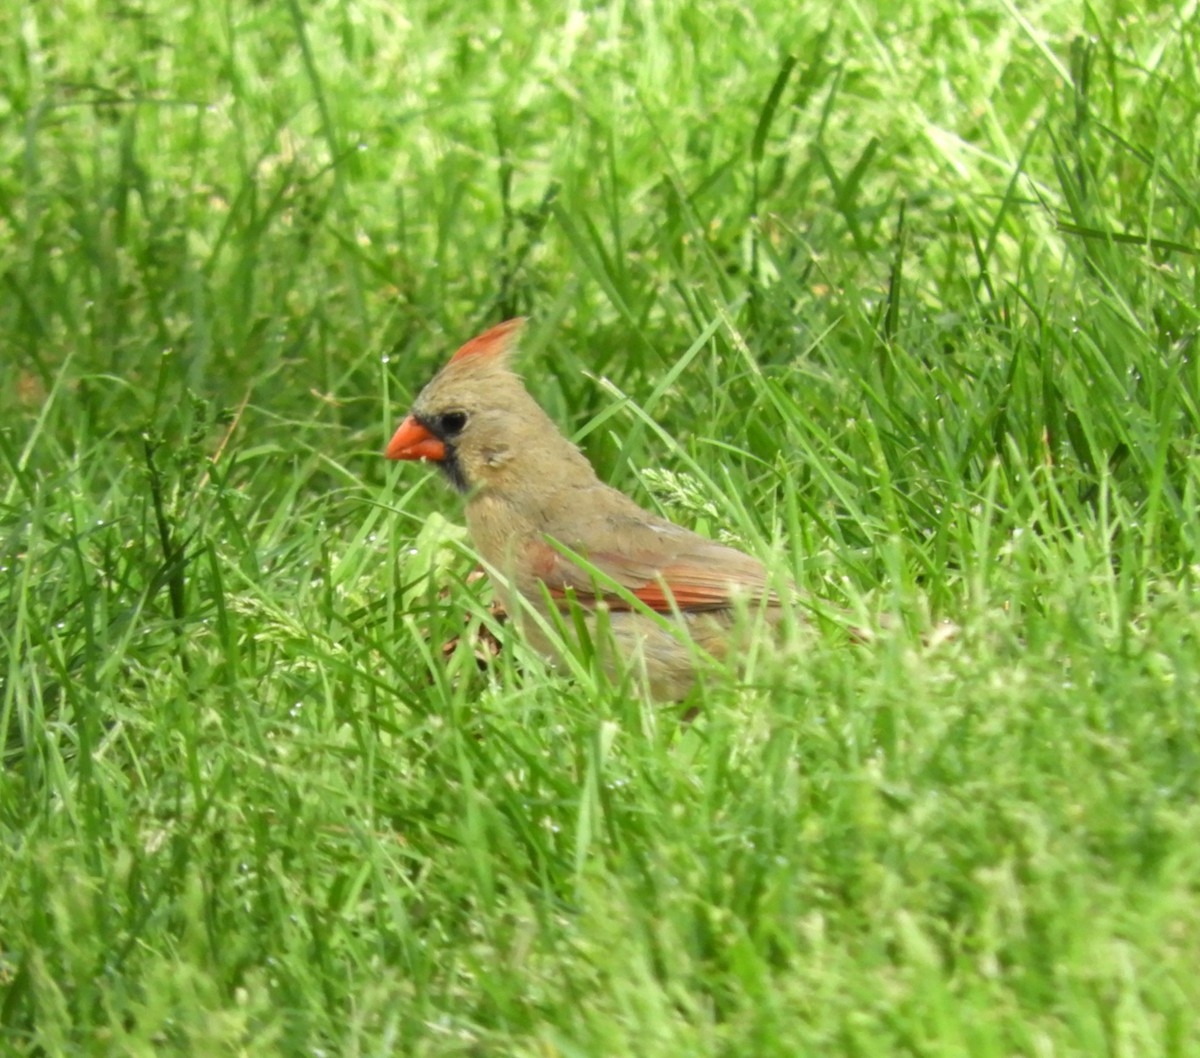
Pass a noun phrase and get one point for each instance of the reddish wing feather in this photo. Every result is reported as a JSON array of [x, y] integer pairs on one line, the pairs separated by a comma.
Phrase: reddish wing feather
[[680, 584], [686, 586]]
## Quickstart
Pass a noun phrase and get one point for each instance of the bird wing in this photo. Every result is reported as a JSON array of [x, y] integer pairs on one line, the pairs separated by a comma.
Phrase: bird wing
[[661, 565]]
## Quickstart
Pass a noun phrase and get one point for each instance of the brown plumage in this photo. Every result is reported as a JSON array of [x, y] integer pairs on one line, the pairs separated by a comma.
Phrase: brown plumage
[[533, 502]]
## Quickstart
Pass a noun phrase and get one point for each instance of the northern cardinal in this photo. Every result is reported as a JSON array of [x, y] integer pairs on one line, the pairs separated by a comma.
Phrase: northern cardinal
[[534, 504]]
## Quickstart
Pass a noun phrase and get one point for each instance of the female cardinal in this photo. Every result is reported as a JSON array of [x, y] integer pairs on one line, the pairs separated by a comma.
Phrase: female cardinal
[[549, 531]]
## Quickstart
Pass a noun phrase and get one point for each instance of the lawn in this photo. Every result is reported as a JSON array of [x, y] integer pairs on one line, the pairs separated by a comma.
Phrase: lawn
[[902, 299]]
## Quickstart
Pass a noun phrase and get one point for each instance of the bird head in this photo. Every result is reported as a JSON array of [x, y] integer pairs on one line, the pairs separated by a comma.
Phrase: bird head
[[476, 421]]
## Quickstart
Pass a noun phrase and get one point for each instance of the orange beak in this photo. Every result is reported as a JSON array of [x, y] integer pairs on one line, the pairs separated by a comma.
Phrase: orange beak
[[413, 441]]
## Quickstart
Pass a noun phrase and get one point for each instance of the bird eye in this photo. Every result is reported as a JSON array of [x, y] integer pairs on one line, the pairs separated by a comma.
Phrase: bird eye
[[452, 422]]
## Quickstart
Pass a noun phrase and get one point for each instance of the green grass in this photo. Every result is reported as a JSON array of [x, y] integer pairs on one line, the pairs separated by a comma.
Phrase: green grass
[[906, 304]]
